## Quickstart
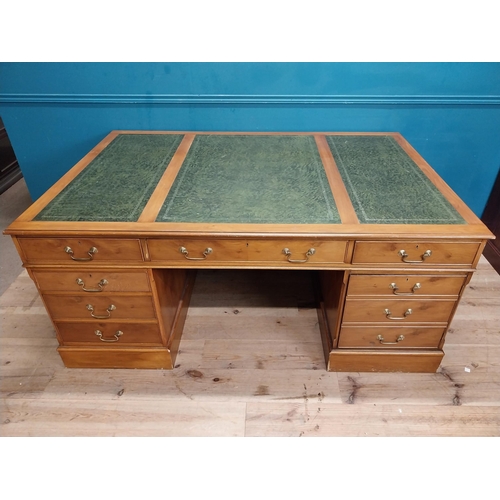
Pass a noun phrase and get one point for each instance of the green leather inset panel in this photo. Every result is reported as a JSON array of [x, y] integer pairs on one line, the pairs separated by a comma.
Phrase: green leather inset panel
[[385, 185], [118, 183], [251, 179]]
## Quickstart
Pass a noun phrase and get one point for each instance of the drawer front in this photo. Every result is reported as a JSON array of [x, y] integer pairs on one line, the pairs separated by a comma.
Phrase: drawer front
[[194, 251], [295, 252], [388, 337], [414, 253], [272, 252], [109, 333], [405, 285], [100, 307], [92, 281], [80, 250], [392, 311]]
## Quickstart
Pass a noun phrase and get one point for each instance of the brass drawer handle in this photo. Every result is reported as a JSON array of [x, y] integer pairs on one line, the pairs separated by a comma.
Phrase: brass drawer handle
[[90, 307], [101, 285], [288, 254], [184, 252], [388, 314], [91, 253], [395, 289], [403, 254], [382, 341], [116, 336]]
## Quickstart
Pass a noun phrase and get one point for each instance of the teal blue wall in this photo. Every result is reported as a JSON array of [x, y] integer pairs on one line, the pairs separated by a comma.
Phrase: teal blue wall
[[450, 112]]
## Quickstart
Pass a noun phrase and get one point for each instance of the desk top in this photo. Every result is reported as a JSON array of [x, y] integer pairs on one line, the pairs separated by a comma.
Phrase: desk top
[[265, 183]]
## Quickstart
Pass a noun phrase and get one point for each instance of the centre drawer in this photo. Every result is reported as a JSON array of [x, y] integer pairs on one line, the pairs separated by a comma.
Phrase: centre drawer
[[92, 281], [272, 252], [103, 307], [398, 310]]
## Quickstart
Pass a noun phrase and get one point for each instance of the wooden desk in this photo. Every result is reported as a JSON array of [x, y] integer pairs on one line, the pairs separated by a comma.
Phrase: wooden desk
[[113, 246]]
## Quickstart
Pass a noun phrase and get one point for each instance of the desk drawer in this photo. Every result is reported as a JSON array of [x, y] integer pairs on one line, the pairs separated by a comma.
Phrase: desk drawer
[[89, 307], [296, 251], [197, 251], [92, 281], [80, 250], [289, 252], [398, 311], [109, 333], [404, 285], [388, 337], [414, 253]]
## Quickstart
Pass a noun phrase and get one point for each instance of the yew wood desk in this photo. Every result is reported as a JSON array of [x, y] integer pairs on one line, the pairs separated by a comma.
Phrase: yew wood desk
[[113, 246]]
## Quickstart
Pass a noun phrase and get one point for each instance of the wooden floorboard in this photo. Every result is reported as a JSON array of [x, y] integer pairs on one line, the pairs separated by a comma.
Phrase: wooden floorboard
[[250, 364], [311, 418]]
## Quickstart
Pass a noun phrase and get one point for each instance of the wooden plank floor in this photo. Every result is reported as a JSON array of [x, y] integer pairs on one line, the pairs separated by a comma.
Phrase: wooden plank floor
[[251, 364]]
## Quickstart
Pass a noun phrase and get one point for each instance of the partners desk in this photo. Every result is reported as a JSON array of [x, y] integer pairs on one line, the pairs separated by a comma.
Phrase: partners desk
[[114, 245]]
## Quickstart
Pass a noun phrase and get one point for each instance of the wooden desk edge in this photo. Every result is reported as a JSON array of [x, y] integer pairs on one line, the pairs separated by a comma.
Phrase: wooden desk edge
[[328, 231]]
